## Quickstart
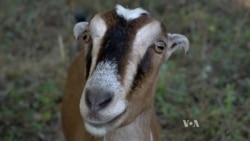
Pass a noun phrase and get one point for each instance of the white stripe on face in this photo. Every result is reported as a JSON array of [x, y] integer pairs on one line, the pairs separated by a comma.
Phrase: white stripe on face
[[97, 28], [145, 37]]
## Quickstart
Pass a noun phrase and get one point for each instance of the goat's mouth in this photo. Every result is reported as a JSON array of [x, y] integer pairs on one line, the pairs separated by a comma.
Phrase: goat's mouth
[[101, 128], [108, 123]]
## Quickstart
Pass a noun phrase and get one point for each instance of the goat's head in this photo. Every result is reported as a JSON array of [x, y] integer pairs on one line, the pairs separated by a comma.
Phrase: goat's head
[[124, 52]]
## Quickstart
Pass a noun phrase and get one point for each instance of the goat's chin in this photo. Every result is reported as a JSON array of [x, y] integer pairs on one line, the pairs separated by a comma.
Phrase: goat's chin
[[100, 129], [96, 131]]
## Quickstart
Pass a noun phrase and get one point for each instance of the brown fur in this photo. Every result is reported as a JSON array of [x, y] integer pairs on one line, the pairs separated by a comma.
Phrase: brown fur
[[110, 19], [141, 98], [72, 122]]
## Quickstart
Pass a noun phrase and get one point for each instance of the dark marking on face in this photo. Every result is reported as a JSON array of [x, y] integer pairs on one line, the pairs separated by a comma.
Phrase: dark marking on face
[[144, 67], [117, 41]]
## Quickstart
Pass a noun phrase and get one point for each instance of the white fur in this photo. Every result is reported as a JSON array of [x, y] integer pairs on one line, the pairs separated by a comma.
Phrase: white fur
[[114, 109], [101, 131], [79, 28], [143, 39], [129, 14], [130, 73], [146, 36], [105, 78], [98, 28]]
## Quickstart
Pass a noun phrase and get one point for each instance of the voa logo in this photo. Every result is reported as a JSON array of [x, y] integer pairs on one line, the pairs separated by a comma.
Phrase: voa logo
[[191, 123]]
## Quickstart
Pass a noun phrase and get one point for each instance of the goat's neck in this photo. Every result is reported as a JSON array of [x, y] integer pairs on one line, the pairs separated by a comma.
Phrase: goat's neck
[[138, 130]]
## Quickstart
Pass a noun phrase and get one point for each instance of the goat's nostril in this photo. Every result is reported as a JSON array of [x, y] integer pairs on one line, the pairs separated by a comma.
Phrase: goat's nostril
[[96, 100], [106, 99]]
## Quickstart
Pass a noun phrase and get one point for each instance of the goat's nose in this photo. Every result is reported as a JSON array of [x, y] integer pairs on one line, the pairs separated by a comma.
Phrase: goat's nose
[[97, 100]]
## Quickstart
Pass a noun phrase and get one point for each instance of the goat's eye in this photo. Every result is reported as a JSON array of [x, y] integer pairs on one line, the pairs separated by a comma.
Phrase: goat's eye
[[159, 47], [86, 37]]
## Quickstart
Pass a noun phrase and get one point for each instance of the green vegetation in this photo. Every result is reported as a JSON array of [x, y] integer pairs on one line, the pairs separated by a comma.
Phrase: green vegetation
[[210, 85]]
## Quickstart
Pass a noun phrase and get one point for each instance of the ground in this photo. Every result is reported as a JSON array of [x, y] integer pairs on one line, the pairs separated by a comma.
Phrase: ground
[[211, 84]]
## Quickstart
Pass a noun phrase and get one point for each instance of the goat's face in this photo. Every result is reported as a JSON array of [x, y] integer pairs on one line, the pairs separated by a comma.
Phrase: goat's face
[[124, 52]]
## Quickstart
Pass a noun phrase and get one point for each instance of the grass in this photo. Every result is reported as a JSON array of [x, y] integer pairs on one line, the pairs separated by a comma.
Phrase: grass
[[210, 85]]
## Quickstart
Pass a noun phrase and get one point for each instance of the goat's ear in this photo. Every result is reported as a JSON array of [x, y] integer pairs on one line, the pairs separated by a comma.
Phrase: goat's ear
[[79, 28], [177, 41]]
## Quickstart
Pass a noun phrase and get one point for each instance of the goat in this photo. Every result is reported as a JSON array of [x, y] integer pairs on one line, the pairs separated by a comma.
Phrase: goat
[[109, 94]]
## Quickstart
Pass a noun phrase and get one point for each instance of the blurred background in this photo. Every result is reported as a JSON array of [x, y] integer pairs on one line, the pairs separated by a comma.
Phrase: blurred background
[[210, 85]]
